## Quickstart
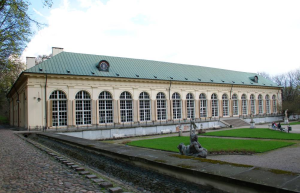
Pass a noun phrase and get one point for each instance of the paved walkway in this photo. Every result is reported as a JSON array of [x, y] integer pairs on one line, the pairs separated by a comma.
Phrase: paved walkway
[[23, 168]]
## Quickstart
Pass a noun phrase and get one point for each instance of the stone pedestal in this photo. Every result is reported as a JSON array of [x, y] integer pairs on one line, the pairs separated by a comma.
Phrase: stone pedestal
[[252, 124], [286, 120], [180, 133]]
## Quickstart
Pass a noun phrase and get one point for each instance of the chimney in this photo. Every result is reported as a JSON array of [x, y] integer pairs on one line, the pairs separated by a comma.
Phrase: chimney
[[30, 62], [56, 50]]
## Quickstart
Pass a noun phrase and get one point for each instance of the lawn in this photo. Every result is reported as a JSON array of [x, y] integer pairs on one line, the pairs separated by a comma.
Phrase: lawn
[[212, 144], [293, 123], [255, 133]]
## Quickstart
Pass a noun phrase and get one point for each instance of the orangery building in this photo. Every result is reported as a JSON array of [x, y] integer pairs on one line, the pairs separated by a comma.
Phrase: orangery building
[[73, 90]]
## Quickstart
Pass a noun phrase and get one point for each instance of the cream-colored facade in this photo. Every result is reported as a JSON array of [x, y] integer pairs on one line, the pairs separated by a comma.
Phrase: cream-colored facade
[[31, 106]]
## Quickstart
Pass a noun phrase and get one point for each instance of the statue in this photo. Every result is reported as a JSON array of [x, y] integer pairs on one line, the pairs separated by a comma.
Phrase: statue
[[252, 122], [286, 119], [195, 148]]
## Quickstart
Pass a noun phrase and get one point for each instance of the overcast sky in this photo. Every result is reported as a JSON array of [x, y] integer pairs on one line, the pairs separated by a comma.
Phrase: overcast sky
[[251, 36]]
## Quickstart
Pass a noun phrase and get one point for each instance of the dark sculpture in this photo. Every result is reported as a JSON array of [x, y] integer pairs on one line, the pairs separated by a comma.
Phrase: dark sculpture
[[195, 148]]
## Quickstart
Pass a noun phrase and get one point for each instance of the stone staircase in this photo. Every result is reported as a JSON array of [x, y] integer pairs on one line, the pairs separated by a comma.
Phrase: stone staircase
[[236, 122]]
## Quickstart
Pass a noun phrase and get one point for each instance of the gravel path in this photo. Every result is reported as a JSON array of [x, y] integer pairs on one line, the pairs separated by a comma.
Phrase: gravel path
[[23, 168], [287, 158]]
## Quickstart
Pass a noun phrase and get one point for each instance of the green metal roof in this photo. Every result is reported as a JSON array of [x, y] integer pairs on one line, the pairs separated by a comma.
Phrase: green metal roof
[[86, 65]]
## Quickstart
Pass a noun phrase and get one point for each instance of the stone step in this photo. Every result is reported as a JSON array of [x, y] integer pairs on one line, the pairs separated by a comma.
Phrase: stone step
[[79, 169], [106, 185], [115, 190], [70, 164], [75, 166], [98, 180], [91, 176], [84, 173], [236, 122]]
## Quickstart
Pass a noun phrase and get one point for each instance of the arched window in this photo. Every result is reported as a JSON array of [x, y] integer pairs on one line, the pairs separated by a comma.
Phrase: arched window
[[268, 110], [126, 107], [161, 106], [176, 106], [252, 104], [83, 108], [225, 105], [260, 105], [59, 108], [105, 107], [144, 107], [274, 104], [235, 104], [244, 104], [214, 105], [190, 106], [203, 105]]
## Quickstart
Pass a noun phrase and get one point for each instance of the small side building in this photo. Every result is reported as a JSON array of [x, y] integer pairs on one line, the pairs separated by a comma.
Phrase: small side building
[[73, 89]]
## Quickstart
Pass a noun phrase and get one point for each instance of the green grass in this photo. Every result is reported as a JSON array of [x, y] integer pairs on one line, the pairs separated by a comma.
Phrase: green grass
[[3, 120], [293, 123], [212, 144], [255, 133]]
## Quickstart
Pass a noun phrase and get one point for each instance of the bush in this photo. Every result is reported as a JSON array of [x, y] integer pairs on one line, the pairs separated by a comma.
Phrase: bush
[[3, 120]]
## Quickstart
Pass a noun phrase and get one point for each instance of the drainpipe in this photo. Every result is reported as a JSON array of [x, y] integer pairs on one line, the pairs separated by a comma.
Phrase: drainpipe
[[46, 107]]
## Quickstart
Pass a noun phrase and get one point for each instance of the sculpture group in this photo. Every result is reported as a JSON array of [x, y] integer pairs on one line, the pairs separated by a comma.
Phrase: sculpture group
[[195, 148]]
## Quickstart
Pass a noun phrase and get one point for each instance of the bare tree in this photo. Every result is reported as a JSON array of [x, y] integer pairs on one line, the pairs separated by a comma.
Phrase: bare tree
[[290, 82], [291, 90], [41, 58]]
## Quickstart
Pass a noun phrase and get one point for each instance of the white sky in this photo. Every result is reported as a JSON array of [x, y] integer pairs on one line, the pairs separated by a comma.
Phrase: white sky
[[251, 36]]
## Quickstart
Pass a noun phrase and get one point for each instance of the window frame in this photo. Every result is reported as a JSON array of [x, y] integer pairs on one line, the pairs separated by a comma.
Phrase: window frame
[[214, 105], [161, 106], [268, 106], [274, 103], [244, 104], [126, 107], [177, 106], [235, 105], [225, 105], [260, 104], [190, 106], [106, 106], [59, 108], [252, 104], [144, 106], [83, 108], [203, 105]]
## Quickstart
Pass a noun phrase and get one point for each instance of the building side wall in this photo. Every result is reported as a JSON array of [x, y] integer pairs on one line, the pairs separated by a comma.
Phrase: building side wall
[[18, 106], [71, 85]]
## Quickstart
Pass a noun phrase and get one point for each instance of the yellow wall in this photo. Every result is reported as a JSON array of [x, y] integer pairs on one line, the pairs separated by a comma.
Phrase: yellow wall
[[34, 88]]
